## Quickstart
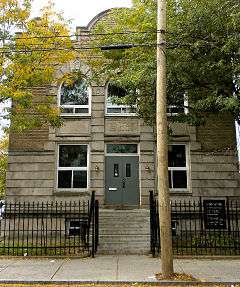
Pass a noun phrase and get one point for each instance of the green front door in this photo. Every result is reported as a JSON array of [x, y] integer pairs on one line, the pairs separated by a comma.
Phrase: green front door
[[122, 180]]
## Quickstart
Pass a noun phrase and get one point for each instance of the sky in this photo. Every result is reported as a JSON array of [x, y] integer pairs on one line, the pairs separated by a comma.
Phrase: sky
[[80, 12]]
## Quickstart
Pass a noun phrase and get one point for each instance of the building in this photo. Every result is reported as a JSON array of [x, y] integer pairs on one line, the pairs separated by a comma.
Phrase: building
[[105, 147]]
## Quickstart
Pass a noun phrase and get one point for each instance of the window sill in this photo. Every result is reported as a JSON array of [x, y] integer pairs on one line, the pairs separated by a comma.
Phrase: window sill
[[120, 115], [180, 192], [77, 116], [71, 192]]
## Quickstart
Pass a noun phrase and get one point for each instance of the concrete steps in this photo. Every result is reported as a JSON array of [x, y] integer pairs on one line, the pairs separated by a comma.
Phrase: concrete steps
[[124, 231]]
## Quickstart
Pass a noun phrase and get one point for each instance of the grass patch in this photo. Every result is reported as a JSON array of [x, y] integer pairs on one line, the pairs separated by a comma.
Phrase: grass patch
[[63, 248]]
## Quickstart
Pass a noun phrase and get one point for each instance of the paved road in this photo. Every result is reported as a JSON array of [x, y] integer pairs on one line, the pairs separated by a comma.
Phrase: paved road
[[113, 268]]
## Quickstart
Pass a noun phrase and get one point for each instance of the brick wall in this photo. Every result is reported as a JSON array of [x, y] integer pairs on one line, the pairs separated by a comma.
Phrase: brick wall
[[218, 133], [31, 140]]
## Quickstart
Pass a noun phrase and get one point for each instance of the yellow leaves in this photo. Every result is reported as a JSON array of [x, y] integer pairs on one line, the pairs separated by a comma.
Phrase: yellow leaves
[[12, 11], [32, 61], [176, 277], [3, 145], [41, 49], [49, 114]]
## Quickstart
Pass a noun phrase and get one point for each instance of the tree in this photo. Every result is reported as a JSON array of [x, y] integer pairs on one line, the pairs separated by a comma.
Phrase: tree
[[30, 59], [203, 56], [3, 164]]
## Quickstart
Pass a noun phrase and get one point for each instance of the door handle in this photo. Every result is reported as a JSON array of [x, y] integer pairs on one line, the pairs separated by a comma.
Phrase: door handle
[[123, 183]]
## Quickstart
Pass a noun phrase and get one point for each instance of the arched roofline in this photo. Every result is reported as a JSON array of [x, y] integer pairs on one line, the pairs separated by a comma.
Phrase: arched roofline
[[97, 18]]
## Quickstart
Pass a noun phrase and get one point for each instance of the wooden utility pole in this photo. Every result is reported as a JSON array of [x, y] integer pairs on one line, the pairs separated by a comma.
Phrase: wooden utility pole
[[162, 146]]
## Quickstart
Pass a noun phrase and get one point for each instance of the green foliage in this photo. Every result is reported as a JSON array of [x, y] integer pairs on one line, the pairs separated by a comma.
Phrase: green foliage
[[3, 164], [30, 59], [203, 55], [217, 240]]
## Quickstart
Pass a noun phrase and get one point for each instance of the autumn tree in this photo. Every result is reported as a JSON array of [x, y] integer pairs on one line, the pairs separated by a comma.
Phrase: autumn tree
[[203, 55], [30, 59]]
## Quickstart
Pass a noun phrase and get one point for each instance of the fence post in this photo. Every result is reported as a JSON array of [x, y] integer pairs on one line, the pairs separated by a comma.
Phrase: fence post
[[228, 216], [152, 223], [201, 213], [93, 222], [96, 224]]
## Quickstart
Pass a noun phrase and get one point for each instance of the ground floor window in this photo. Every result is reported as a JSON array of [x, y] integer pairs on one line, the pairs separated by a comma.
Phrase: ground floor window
[[72, 166], [177, 167]]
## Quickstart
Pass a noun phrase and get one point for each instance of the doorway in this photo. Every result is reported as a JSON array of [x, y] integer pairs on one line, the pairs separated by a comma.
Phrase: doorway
[[122, 179]]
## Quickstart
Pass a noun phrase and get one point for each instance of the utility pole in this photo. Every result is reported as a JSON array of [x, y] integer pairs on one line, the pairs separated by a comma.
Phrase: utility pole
[[162, 145], [162, 140]]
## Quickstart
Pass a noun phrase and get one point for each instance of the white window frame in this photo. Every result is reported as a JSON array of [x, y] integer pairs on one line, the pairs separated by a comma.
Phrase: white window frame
[[74, 107], [108, 106], [186, 168], [87, 168], [185, 102]]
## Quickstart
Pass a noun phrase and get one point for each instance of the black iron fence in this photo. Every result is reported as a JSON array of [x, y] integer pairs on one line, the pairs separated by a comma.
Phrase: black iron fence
[[202, 227], [55, 228]]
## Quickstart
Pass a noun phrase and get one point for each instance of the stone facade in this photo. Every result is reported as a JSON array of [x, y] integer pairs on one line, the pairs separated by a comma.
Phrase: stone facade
[[212, 166]]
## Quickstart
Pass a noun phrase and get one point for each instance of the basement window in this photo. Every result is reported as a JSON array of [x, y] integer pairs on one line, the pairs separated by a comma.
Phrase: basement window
[[77, 227]]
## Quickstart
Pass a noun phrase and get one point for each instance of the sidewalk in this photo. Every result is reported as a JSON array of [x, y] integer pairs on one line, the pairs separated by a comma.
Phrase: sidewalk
[[131, 268]]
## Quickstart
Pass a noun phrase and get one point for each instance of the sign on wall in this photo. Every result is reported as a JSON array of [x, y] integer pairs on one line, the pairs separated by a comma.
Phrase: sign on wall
[[214, 214]]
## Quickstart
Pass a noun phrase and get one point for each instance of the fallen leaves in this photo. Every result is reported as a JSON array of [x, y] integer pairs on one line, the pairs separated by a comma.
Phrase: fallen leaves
[[176, 277]]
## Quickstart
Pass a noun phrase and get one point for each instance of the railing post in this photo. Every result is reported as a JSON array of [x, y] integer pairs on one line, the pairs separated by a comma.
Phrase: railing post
[[92, 208], [228, 216], [96, 224], [152, 225], [201, 213]]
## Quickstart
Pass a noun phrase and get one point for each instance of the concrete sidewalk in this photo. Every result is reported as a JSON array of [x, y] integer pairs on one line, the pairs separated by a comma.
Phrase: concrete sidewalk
[[129, 268]]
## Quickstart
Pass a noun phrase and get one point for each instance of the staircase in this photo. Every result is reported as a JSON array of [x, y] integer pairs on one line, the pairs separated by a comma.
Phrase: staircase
[[124, 231]]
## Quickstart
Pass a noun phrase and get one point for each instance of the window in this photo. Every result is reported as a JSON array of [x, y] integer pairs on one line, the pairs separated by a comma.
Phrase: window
[[73, 166], [75, 98], [122, 148], [178, 105], [177, 167], [115, 101]]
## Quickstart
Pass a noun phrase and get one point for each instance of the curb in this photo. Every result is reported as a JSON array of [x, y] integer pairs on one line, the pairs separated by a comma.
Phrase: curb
[[176, 257]]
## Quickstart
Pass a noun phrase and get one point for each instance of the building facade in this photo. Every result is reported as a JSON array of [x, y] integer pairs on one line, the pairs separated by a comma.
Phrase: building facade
[[104, 147]]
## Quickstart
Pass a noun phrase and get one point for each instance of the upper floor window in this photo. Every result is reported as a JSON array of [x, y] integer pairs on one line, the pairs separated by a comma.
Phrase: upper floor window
[[115, 101], [75, 98], [178, 105]]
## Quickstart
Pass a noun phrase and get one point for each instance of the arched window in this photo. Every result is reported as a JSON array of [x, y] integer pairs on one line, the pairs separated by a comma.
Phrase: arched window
[[115, 101], [75, 97]]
